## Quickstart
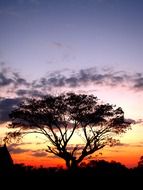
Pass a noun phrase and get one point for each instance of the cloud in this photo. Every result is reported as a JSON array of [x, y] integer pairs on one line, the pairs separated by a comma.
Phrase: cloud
[[12, 84], [58, 44], [14, 149], [6, 106], [131, 121], [91, 76], [29, 93], [122, 144], [39, 153], [139, 121], [10, 79], [4, 81], [83, 77], [19, 144], [15, 83], [136, 145], [140, 145], [18, 80], [138, 81], [5, 78], [18, 150]]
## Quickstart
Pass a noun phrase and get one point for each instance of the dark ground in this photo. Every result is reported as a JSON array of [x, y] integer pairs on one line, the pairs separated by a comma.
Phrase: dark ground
[[96, 175]]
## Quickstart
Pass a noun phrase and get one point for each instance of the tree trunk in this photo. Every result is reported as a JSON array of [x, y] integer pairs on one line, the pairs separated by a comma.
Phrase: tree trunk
[[71, 165]]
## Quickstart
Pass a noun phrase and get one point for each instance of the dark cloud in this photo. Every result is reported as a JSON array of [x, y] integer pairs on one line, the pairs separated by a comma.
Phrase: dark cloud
[[137, 145], [122, 144], [22, 92], [91, 76], [11, 80], [18, 80], [84, 77], [29, 93], [4, 80], [15, 149], [39, 153], [18, 150], [71, 82], [58, 79], [131, 121], [6, 106], [138, 82]]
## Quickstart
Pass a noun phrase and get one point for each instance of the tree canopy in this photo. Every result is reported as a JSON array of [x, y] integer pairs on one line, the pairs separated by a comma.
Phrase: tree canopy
[[60, 117]]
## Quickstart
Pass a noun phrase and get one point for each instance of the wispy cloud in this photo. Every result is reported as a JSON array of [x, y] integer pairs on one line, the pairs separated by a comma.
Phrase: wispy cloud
[[119, 145], [57, 44], [15, 149], [138, 81], [122, 144], [39, 153]]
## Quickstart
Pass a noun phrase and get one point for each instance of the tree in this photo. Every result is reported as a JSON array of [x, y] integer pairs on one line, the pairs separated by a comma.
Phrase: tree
[[6, 162], [61, 117], [140, 163]]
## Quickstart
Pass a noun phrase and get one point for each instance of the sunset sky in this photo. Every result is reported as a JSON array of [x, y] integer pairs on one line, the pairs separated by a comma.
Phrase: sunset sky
[[85, 46]]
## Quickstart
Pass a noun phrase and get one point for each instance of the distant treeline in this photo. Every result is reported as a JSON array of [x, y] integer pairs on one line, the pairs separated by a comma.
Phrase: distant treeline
[[94, 169], [96, 173]]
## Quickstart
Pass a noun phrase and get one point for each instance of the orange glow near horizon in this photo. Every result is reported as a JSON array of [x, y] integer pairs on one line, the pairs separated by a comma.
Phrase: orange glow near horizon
[[126, 156], [127, 153], [37, 161]]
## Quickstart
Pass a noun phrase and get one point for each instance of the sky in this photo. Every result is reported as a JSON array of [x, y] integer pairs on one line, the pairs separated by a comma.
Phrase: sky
[[85, 46]]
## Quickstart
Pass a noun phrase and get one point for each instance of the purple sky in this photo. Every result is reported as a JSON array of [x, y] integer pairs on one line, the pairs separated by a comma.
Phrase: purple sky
[[40, 36], [92, 46], [86, 45]]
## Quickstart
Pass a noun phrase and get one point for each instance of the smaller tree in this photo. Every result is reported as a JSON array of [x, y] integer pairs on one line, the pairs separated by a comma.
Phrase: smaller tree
[[140, 163], [59, 118]]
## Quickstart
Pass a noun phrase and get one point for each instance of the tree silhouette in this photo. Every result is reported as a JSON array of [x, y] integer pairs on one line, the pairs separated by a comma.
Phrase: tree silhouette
[[61, 118], [6, 162], [140, 163]]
